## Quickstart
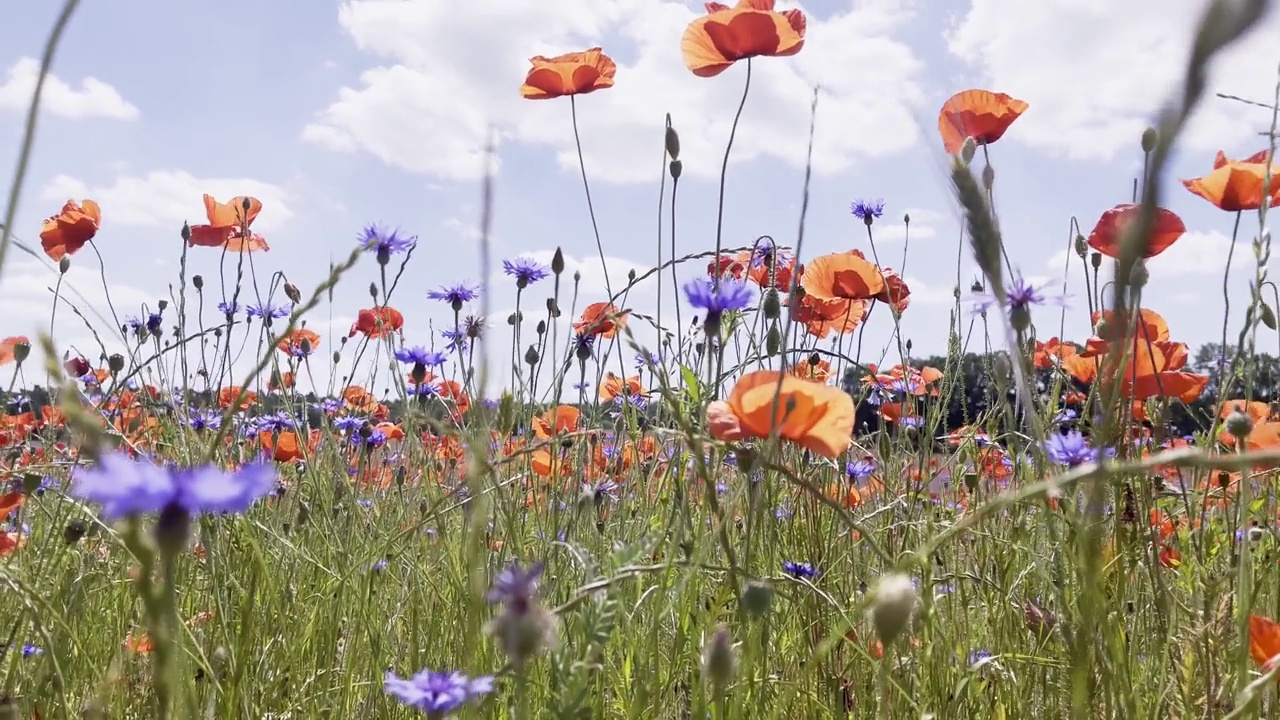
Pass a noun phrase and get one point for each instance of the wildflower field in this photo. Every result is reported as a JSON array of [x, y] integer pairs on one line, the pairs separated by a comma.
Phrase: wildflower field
[[219, 512]]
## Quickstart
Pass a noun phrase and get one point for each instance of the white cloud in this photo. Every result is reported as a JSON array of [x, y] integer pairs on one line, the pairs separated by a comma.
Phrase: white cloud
[[1095, 72], [168, 198], [923, 226], [1194, 254], [453, 71], [93, 99]]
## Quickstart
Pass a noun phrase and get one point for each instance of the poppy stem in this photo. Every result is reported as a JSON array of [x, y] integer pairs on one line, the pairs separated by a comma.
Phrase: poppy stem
[[591, 210], [724, 171]]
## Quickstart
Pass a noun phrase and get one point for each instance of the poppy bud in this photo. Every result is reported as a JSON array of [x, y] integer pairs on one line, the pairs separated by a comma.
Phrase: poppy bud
[[955, 292], [976, 287], [1149, 138], [583, 351], [1081, 246], [557, 262], [21, 352], [676, 168], [577, 276], [197, 281], [515, 317], [1103, 328], [631, 275], [719, 661], [1139, 275], [74, 531], [531, 355], [988, 177], [185, 232], [373, 290], [757, 598], [773, 341], [1239, 425], [771, 305], [968, 150], [893, 603], [64, 264], [162, 305], [908, 346], [115, 363], [541, 327], [553, 307], [672, 140], [1095, 259], [337, 356], [1224, 480], [971, 481]]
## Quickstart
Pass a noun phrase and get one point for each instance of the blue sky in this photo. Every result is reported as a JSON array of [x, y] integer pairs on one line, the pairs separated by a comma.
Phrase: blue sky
[[341, 114]]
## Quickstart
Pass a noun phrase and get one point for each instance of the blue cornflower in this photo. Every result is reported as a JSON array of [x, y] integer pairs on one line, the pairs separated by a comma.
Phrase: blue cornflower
[[1020, 295], [127, 487], [455, 295], [154, 321], [421, 356], [799, 569], [867, 210], [329, 405], [348, 423], [205, 420], [380, 565], [704, 295], [781, 513], [134, 323], [435, 693], [456, 338], [276, 422], [425, 389], [29, 650], [267, 311], [526, 271], [1070, 449], [376, 439], [861, 470], [383, 242], [515, 586], [767, 251], [228, 308]]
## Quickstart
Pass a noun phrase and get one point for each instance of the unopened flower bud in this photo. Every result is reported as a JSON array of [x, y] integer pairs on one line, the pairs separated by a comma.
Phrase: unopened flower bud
[[373, 290], [64, 264], [1149, 138], [21, 352], [757, 598], [892, 606], [1081, 246], [185, 232], [1020, 318], [719, 661], [541, 328], [676, 168], [988, 177], [197, 281], [292, 292], [557, 262], [773, 341], [337, 356], [531, 355], [672, 141], [968, 150], [115, 363], [1239, 425], [515, 317], [1095, 259], [976, 287], [553, 308]]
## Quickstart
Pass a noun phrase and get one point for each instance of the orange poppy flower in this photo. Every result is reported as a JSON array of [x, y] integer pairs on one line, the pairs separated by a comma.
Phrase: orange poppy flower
[[1258, 411], [614, 386], [1106, 235], [821, 317], [228, 395], [817, 417], [282, 381], [556, 421], [9, 348], [229, 225], [812, 368], [1047, 352], [574, 73], [601, 320], [377, 322], [10, 542], [68, 231], [729, 266], [286, 446], [9, 502], [752, 28], [359, 399], [299, 342], [1264, 641], [842, 275], [1238, 184], [979, 114]]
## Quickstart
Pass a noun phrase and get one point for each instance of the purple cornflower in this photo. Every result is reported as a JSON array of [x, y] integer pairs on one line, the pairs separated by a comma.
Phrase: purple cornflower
[[154, 321], [456, 338], [454, 295], [515, 586], [861, 470], [127, 487], [421, 356], [228, 308], [267, 311], [348, 423], [1071, 449], [205, 420], [383, 242], [767, 251], [526, 271], [1020, 295], [704, 295], [801, 570], [435, 693], [275, 422], [867, 210]]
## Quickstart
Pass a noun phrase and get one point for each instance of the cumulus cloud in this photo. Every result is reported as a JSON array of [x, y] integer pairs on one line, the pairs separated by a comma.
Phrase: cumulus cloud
[[1095, 73], [168, 198], [923, 226], [455, 69], [92, 99]]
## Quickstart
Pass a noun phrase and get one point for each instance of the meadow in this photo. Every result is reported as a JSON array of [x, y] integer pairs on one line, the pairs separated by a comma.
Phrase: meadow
[[748, 519]]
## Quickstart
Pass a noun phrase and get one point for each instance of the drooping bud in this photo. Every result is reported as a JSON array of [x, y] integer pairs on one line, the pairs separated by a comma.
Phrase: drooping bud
[[771, 305], [672, 140], [892, 606], [719, 661], [1081, 246], [292, 292]]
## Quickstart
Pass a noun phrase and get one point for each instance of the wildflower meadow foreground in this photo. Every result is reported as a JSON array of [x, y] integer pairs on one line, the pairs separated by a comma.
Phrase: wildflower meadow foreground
[[750, 518]]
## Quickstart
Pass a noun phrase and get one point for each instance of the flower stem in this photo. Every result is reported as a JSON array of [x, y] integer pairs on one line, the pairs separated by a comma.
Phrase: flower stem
[[586, 186], [724, 171]]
